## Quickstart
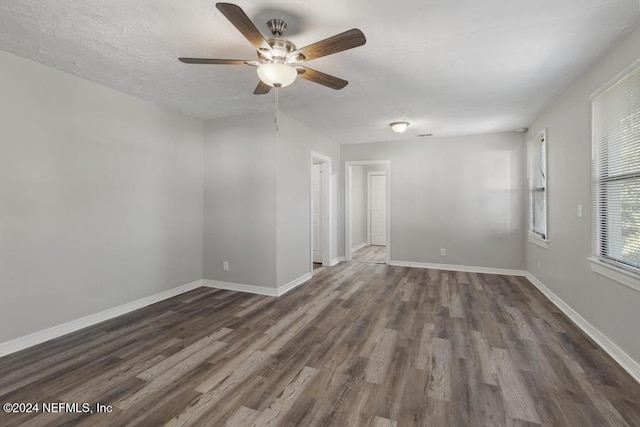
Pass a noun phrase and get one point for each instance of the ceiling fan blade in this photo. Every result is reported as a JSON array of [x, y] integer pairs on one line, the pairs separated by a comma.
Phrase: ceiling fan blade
[[262, 88], [241, 21], [214, 61], [338, 43], [321, 78]]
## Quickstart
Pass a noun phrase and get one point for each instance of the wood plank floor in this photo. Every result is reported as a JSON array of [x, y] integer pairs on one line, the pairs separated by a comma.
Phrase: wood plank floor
[[359, 344], [370, 254]]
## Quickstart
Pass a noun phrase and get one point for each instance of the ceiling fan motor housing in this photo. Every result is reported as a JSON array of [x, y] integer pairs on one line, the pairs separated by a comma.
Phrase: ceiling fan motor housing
[[280, 48], [275, 70]]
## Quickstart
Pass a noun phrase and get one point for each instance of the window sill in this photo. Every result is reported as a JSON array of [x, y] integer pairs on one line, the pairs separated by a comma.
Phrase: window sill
[[538, 241], [620, 275]]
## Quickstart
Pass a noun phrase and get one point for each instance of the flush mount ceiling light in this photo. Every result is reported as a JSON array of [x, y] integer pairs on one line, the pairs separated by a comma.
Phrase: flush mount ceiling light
[[276, 74], [399, 127]]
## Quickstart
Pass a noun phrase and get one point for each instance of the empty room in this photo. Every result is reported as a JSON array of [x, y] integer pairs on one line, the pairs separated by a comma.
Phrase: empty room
[[367, 213]]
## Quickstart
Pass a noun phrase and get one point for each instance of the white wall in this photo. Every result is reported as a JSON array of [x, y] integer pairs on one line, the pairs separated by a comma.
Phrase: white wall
[[100, 198], [464, 194], [358, 210], [610, 307], [258, 199]]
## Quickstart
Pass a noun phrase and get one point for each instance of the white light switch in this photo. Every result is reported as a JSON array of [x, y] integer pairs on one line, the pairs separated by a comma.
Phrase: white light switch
[[579, 211]]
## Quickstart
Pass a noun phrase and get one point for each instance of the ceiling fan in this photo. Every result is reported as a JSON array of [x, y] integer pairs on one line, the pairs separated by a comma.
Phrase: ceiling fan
[[278, 58]]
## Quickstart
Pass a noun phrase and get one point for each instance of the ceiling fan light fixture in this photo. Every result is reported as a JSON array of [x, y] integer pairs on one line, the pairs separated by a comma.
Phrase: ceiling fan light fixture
[[276, 74], [399, 127], [276, 54]]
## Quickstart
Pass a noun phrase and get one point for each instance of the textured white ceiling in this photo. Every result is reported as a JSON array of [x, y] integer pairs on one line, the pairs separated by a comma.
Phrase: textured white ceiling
[[449, 67]]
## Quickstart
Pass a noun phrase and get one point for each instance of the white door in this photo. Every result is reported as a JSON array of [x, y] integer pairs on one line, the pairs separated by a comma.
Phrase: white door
[[316, 213], [377, 210]]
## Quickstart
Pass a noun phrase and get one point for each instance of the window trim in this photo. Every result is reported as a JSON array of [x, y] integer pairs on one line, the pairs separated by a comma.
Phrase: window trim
[[535, 237], [611, 82], [537, 240], [623, 273]]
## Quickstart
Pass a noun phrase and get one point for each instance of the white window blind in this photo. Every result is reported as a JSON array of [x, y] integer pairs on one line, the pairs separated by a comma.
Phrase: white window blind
[[537, 173], [616, 172]]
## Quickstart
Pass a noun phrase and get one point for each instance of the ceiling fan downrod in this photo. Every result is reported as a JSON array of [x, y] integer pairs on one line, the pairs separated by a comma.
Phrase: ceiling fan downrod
[[277, 27]]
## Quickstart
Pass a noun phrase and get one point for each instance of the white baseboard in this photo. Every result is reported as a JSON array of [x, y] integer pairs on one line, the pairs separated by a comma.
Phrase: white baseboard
[[293, 284], [260, 290], [360, 246], [30, 340], [465, 268], [623, 359], [230, 286], [627, 362], [337, 260]]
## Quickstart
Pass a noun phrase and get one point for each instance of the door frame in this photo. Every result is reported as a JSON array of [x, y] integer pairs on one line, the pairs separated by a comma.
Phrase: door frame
[[325, 195], [347, 204], [369, 175]]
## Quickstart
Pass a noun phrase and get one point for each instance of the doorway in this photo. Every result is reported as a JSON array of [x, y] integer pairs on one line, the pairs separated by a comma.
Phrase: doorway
[[320, 219], [367, 198]]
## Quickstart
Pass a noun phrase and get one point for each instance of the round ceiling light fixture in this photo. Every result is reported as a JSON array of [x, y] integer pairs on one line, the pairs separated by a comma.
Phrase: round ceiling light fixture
[[276, 74], [399, 127]]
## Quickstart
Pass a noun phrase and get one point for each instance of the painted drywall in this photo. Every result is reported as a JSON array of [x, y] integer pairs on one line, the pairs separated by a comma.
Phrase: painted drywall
[[293, 167], [295, 142], [319, 143], [358, 208], [100, 198], [240, 200], [459, 193], [609, 306], [257, 204]]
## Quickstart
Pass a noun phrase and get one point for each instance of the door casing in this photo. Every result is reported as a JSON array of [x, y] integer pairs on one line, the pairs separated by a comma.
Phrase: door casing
[[325, 195]]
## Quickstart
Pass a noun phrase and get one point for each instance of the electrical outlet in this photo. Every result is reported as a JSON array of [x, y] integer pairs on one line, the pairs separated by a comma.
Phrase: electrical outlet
[[579, 211], [225, 265], [443, 252], [539, 265]]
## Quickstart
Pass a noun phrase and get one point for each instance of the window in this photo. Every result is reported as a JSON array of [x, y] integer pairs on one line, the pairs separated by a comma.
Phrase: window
[[537, 173], [616, 173]]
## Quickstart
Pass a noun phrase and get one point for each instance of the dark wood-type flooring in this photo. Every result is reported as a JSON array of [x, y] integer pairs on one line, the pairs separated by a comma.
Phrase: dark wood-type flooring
[[359, 344], [370, 253]]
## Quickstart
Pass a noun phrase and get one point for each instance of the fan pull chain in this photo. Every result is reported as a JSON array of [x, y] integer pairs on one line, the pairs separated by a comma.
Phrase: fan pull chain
[[276, 114]]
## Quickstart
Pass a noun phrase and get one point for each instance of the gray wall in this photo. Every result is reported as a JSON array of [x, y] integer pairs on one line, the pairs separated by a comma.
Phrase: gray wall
[[315, 141], [258, 199], [100, 198], [607, 305], [464, 194], [358, 206], [240, 200], [295, 142]]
